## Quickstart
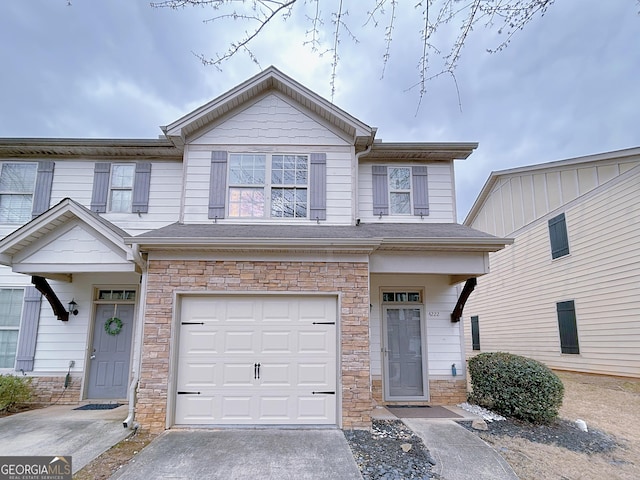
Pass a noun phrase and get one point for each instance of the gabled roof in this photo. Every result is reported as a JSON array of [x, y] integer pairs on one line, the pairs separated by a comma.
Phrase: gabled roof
[[39, 230], [364, 238], [270, 79], [495, 176]]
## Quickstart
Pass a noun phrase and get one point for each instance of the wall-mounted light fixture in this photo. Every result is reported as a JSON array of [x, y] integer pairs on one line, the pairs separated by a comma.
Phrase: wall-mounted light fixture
[[73, 307]]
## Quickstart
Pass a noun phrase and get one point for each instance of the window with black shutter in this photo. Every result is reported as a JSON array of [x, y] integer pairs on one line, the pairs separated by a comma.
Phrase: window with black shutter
[[567, 326], [475, 333], [558, 236]]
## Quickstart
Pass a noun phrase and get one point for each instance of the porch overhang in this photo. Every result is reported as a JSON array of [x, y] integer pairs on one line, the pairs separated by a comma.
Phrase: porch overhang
[[66, 239]]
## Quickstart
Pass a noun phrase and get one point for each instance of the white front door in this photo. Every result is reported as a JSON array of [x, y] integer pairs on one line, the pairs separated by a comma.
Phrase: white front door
[[404, 357], [257, 360]]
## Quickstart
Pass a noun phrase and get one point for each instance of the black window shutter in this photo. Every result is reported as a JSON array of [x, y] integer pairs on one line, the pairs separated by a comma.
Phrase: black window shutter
[[42, 192], [420, 190], [380, 190], [26, 348], [318, 186], [141, 186], [218, 184], [475, 333], [558, 236], [567, 326], [100, 193]]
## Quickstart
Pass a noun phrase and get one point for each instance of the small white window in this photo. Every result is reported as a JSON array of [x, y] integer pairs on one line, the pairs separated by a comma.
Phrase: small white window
[[17, 183], [121, 191]]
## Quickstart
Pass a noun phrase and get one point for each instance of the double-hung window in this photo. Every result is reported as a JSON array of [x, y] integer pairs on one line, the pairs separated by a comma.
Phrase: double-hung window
[[10, 314], [17, 184], [263, 186], [399, 190], [121, 188]]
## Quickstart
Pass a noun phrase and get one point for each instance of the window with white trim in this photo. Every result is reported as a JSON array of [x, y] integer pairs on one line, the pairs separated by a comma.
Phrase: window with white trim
[[399, 190], [17, 184], [274, 186], [121, 188], [10, 314]]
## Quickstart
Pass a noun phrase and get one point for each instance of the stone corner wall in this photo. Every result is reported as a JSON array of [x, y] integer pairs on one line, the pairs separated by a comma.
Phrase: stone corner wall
[[350, 279]]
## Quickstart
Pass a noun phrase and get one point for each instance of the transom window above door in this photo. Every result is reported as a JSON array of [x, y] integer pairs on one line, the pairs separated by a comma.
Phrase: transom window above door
[[262, 186], [402, 297]]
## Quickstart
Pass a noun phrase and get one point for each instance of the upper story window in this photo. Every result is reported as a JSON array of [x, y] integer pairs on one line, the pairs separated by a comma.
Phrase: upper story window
[[17, 184], [558, 236], [121, 188], [268, 185], [400, 190]]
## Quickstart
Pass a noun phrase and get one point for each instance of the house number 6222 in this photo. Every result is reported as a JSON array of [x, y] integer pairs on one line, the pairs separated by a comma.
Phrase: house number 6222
[[434, 314]]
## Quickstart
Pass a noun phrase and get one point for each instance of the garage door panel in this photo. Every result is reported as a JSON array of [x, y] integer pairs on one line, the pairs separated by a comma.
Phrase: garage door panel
[[218, 359], [238, 374], [276, 342], [195, 374], [239, 342], [198, 409]]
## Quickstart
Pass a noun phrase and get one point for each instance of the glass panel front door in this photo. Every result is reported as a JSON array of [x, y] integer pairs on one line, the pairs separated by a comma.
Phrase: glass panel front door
[[403, 362]]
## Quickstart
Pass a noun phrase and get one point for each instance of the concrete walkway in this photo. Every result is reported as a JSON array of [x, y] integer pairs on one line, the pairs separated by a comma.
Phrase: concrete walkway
[[459, 453], [61, 431]]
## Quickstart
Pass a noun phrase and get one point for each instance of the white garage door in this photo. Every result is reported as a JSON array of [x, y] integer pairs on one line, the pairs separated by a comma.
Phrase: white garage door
[[257, 360]]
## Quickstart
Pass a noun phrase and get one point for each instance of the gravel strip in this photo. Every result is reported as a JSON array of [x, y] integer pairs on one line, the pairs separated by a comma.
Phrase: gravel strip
[[380, 455], [561, 433]]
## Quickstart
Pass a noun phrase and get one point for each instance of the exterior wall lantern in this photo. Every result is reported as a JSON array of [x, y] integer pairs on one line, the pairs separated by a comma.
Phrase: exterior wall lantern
[[73, 307]]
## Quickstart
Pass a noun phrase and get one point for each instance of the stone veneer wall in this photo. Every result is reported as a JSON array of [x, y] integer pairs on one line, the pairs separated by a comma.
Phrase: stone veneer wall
[[49, 390], [351, 279], [441, 392]]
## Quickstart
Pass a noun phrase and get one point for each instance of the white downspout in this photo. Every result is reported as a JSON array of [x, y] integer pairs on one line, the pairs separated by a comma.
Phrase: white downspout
[[356, 207], [137, 340]]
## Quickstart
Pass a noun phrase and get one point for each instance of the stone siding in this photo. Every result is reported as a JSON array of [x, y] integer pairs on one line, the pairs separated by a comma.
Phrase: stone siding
[[50, 390], [165, 277]]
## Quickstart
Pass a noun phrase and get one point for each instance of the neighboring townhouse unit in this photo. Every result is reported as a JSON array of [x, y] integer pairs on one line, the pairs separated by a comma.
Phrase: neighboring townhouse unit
[[266, 262], [566, 291]]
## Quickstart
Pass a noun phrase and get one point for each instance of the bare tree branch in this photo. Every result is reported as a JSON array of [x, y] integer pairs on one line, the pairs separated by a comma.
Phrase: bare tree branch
[[509, 16]]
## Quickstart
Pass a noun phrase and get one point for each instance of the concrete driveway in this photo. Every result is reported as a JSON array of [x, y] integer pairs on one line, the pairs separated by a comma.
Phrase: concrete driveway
[[60, 430], [294, 454]]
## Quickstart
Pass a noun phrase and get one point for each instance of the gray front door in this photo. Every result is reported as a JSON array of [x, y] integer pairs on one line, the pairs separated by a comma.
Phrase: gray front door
[[109, 359], [404, 362]]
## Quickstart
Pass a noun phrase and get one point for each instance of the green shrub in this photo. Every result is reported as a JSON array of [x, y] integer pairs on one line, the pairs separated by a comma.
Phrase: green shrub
[[515, 386], [15, 391]]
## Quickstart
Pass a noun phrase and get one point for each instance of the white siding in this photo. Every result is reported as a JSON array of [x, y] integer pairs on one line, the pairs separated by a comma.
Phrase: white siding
[[273, 119], [444, 338], [339, 180], [518, 199], [60, 342], [516, 302], [441, 201]]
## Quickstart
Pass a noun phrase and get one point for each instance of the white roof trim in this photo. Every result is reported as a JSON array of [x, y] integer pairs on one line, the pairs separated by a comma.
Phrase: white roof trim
[[269, 79]]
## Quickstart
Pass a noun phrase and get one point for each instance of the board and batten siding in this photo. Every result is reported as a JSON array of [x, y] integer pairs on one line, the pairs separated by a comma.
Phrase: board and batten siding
[[516, 302], [440, 188], [444, 338], [518, 199]]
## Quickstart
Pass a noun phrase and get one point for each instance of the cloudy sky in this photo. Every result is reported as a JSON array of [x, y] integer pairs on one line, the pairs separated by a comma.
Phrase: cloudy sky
[[566, 86]]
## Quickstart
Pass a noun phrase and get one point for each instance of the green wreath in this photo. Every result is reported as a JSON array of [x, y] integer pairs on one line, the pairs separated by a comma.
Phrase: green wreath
[[108, 326]]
